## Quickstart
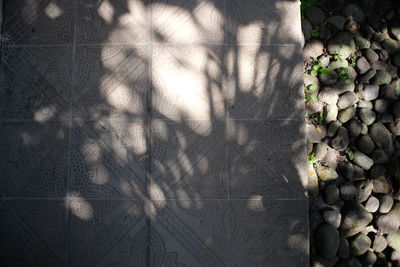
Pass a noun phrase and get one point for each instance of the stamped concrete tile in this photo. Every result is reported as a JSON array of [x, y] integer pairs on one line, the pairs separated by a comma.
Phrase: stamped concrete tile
[[180, 21], [265, 82], [258, 22], [32, 232], [188, 160], [103, 166], [269, 233], [189, 233], [35, 83], [112, 22], [110, 82], [188, 82], [34, 159], [106, 233], [267, 159], [38, 22]]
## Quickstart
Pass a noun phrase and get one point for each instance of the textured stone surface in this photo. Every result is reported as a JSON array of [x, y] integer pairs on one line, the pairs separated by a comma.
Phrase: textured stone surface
[[152, 133]]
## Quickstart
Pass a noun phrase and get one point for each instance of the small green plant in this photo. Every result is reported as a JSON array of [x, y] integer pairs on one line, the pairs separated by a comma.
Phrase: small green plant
[[319, 30], [315, 72], [350, 154], [343, 73], [311, 97], [317, 69], [311, 158], [305, 8], [311, 87], [337, 57], [352, 60], [317, 117]]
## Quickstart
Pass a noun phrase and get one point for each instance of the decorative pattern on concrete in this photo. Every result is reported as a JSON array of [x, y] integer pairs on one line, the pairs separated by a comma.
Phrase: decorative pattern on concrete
[[152, 133]]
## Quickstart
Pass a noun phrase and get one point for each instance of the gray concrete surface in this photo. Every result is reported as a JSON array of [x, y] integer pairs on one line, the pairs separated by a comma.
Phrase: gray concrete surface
[[152, 133]]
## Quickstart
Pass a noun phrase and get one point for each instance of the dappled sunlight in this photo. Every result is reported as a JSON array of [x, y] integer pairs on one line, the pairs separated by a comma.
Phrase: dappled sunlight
[[53, 11], [203, 22], [44, 114], [106, 11], [174, 122], [79, 207], [255, 203], [125, 99], [252, 33], [181, 89]]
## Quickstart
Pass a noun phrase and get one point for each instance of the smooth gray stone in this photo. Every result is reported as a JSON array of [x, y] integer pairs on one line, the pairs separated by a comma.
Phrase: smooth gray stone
[[382, 137], [379, 243], [363, 160], [347, 99], [365, 144], [370, 92], [366, 115], [360, 244], [332, 217], [372, 204], [386, 203]]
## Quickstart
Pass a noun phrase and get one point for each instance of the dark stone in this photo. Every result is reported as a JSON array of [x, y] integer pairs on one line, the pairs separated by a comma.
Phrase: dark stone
[[362, 65], [326, 241], [358, 173], [390, 46], [344, 248], [349, 191], [332, 128], [346, 169], [382, 137], [342, 44], [317, 16], [369, 258], [341, 141], [329, 78], [380, 105], [377, 171], [354, 11], [365, 144], [337, 21], [395, 110], [354, 127], [331, 194], [371, 55], [380, 156], [367, 76]]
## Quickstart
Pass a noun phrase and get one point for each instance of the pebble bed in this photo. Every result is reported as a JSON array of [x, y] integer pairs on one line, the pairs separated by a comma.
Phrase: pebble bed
[[352, 96]]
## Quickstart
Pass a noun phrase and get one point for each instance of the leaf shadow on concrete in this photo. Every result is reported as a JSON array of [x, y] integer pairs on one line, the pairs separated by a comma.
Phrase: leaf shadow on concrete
[[162, 133]]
